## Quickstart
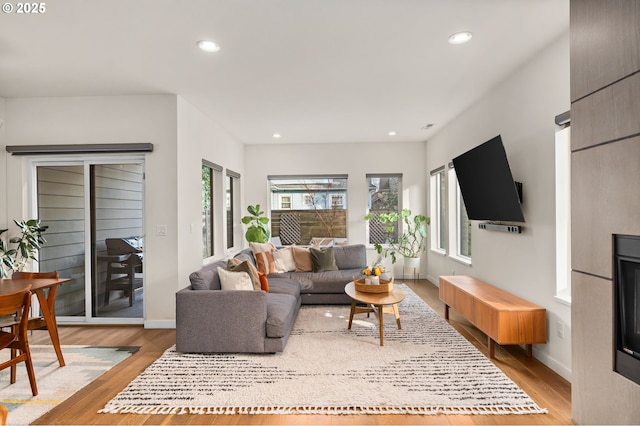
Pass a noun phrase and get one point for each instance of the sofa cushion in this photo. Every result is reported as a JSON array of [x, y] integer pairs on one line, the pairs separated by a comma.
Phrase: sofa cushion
[[263, 256], [282, 285], [246, 254], [234, 280], [302, 258], [320, 282], [264, 282], [206, 278], [350, 257], [281, 313], [235, 265], [283, 259], [322, 259]]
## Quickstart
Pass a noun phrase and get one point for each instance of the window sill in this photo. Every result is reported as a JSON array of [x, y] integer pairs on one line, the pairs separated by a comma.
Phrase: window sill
[[563, 297], [464, 260], [442, 253]]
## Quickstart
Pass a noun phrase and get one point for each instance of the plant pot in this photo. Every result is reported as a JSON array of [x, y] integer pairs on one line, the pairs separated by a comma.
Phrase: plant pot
[[412, 263]]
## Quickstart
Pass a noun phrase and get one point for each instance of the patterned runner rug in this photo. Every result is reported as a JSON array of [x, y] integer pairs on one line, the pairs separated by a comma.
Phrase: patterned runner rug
[[425, 368], [84, 364]]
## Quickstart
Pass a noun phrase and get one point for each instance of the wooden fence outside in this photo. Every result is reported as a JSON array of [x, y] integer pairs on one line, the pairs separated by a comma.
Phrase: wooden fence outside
[[300, 226]]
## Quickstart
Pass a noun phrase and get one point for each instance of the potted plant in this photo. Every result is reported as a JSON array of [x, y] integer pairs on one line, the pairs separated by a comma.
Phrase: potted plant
[[413, 240], [26, 246], [258, 230]]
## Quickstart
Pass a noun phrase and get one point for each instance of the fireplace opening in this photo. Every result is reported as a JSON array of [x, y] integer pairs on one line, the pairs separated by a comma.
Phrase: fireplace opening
[[626, 311]]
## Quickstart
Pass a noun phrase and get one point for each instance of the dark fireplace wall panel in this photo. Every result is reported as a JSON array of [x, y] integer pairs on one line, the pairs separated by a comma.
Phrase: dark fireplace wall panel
[[603, 397], [604, 116], [605, 140], [605, 200], [604, 44]]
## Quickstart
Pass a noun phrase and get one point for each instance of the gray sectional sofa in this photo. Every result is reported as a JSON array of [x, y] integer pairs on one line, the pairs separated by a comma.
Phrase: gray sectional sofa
[[209, 319]]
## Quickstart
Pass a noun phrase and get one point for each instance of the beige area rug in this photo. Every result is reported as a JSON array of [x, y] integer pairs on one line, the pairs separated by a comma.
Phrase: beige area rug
[[425, 368], [84, 364]]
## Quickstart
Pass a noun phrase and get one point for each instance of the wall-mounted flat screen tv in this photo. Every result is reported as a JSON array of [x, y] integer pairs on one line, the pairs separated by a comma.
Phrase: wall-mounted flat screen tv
[[487, 186]]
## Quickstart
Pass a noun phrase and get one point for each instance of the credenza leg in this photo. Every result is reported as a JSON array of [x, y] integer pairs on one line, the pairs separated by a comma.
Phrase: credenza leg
[[529, 350], [446, 312], [492, 348]]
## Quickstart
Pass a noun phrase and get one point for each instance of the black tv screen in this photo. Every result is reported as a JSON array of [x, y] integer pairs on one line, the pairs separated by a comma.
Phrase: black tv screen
[[487, 186]]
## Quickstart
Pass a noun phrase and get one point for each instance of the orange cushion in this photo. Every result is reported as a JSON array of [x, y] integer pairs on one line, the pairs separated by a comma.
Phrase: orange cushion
[[264, 257], [264, 282]]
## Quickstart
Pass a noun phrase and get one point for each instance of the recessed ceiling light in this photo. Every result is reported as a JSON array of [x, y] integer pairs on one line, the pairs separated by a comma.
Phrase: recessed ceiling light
[[276, 135], [460, 38], [392, 133], [208, 46]]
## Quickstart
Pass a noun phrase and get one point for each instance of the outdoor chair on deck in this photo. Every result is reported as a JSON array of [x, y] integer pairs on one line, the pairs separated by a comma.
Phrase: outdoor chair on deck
[[123, 260], [16, 339]]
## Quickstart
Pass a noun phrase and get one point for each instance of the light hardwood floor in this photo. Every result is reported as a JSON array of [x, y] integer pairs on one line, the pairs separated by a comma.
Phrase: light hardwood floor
[[545, 387]]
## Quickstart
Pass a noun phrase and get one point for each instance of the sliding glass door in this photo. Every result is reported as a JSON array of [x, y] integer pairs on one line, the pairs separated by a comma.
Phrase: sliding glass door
[[94, 210]]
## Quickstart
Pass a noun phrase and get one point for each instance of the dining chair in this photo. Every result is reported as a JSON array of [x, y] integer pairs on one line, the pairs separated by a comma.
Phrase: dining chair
[[16, 340], [36, 322]]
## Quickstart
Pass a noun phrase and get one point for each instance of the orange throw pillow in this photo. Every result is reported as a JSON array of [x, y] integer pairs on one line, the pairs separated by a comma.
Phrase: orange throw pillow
[[264, 257], [264, 282]]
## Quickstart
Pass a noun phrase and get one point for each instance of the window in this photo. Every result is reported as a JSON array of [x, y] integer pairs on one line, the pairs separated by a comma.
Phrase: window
[[459, 223], [306, 207], [563, 214], [232, 190], [285, 202], [438, 211], [384, 197], [211, 174]]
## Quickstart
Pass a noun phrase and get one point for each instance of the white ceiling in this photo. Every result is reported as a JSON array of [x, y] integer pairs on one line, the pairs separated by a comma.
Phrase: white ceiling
[[311, 70]]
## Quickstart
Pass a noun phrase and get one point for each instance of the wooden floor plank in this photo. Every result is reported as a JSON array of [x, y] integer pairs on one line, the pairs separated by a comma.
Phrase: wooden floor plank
[[545, 387]]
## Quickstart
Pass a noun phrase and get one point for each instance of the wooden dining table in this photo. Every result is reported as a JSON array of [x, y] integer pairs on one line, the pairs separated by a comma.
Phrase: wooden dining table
[[46, 299]]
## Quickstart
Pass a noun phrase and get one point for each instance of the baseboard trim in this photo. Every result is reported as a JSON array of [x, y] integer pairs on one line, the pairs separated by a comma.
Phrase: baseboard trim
[[160, 324], [550, 362]]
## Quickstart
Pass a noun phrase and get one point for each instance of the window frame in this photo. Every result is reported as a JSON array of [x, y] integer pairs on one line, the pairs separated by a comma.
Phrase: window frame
[[563, 213], [232, 191], [214, 172], [320, 201], [438, 210], [336, 205], [282, 202], [456, 209], [399, 225]]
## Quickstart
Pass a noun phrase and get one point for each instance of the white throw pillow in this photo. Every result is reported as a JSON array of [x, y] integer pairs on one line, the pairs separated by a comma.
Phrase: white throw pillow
[[283, 260], [234, 280]]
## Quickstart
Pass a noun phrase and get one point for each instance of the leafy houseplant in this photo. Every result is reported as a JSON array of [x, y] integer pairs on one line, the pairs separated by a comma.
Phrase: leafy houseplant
[[258, 230], [413, 240], [26, 246]]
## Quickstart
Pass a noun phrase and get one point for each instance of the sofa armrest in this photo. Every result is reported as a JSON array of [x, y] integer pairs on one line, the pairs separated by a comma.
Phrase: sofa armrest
[[220, 320]]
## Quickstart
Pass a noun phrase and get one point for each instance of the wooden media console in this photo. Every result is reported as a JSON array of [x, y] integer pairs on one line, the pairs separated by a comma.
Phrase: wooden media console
[[505, 319]]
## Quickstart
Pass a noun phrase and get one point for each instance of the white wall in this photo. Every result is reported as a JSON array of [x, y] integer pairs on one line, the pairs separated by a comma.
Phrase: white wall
[[109, 119], [522, 110], [3, 171], [200, 138], [354, 159]]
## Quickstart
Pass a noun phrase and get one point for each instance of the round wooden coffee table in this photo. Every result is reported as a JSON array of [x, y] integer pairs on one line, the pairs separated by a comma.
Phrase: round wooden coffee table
[[375, 303]]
